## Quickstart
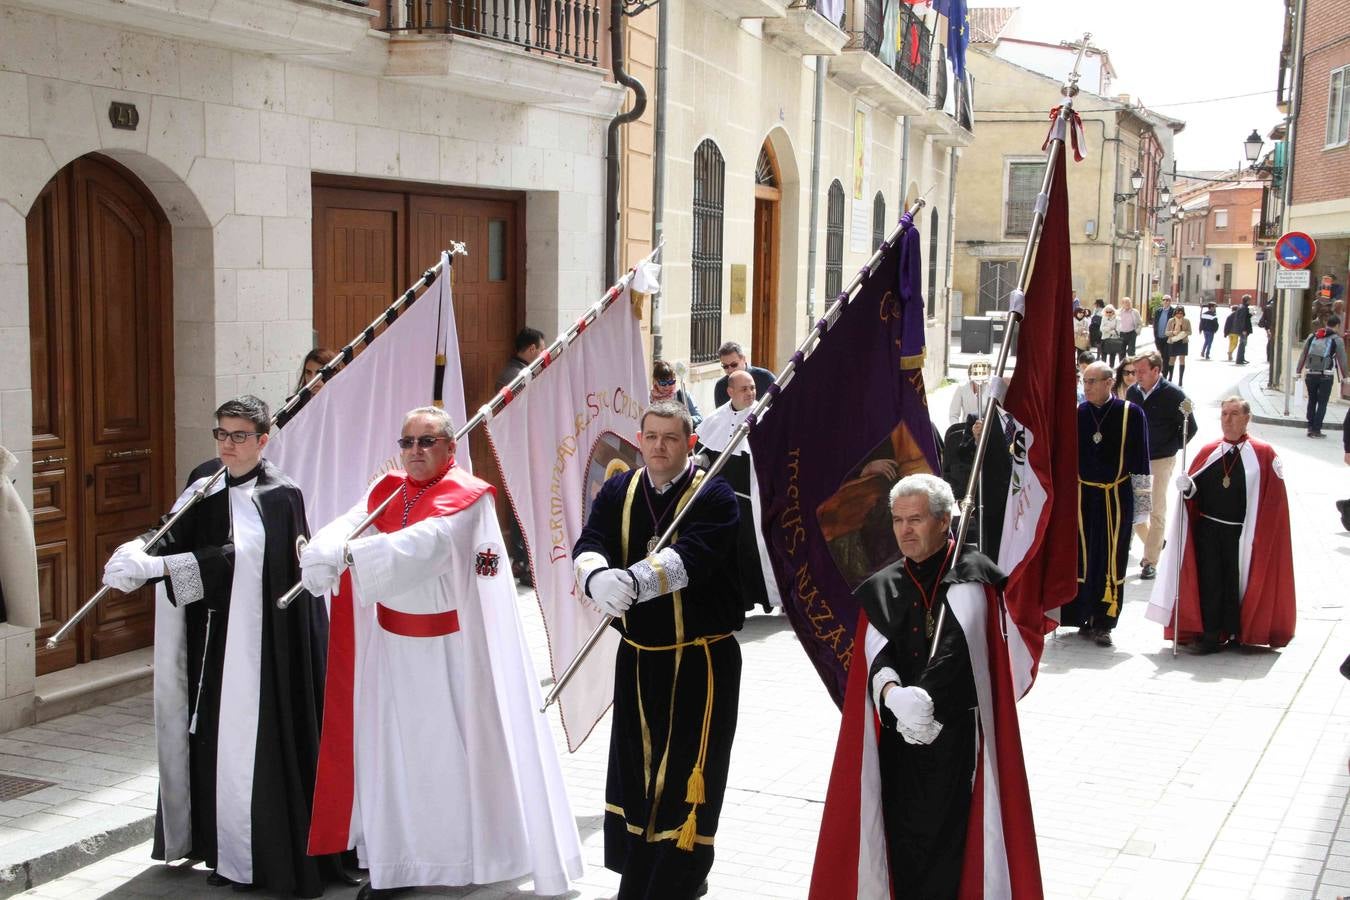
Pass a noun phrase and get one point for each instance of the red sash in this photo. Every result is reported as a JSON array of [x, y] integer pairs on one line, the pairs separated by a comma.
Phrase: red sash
[[335, 784]]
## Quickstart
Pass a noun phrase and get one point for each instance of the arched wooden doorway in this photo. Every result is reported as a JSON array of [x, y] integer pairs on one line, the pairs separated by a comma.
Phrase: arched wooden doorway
[[768, 198], [100, 319]]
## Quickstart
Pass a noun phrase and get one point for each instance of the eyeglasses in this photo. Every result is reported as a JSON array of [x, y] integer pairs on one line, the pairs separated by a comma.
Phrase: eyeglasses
[[665, 382], [730, 367], [234, 437], [426, 441]]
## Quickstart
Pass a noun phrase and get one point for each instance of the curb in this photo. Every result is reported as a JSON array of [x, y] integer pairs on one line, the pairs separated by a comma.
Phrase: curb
[[60, 855]]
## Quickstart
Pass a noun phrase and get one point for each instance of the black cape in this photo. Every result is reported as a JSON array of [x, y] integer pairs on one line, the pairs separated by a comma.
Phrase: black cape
[[293, 654]]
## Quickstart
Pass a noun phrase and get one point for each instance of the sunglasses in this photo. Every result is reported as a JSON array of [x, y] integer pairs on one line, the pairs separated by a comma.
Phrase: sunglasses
[[1129, 371], [234, 437], [426, 441], [730, 367], [665, 382]]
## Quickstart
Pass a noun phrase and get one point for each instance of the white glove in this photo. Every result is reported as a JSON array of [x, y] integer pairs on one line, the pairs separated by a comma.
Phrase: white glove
[[323, 553], [130, 567], [911, 706], [320, 578], [1185, 484], [612, 590], [123, 583]]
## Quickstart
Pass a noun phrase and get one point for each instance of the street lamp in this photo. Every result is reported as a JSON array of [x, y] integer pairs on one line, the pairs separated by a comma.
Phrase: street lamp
[[1136, 182], [1252, 148]]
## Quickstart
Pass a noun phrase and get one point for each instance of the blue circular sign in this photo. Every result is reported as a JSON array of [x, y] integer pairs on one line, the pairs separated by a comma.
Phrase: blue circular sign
[[1295, 250]]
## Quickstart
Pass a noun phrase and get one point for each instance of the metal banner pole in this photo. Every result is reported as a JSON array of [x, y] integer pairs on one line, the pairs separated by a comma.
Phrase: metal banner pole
[[279, 419]]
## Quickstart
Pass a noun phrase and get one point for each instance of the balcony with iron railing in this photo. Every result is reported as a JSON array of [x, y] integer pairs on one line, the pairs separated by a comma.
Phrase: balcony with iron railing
[[809, 28], [886, 62], [524, 51], [294, 27]]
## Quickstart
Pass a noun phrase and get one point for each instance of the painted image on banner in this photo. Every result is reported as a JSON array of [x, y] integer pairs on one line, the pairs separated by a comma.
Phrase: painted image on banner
[[856, 520]]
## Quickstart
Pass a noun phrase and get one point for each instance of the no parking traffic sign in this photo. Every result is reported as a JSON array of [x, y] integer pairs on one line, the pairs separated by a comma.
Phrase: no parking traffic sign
[[1295, 250]]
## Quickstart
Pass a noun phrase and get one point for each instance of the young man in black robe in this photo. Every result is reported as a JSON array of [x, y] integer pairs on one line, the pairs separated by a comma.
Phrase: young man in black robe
[[1114, 493], [928, 708], [678, 671], [238, 682]]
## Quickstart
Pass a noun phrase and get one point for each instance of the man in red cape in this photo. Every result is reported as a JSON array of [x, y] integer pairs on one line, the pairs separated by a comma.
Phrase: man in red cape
[[1239, 587], [928, 795]]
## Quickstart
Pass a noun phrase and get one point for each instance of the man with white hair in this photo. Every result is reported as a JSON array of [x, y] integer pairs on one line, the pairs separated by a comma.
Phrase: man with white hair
[[934, 672], [435, 762], [1114, 492]]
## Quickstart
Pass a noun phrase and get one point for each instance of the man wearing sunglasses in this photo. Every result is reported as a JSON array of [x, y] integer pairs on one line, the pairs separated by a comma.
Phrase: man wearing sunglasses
[[238, 682], [436, 764], [732, 357]]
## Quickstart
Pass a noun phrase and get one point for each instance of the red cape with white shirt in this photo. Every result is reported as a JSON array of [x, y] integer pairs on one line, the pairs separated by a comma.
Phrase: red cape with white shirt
[[1266, 559]]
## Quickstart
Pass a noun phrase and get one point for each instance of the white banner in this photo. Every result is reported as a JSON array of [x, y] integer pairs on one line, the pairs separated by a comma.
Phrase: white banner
[[344, 436], [574, 426]]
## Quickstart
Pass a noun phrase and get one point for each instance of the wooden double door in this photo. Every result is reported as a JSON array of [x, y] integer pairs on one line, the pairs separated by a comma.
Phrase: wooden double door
[[371, 240], [100, 318]]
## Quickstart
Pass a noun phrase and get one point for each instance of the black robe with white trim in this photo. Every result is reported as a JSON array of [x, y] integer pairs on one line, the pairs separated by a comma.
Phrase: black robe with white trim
[[239, 687]]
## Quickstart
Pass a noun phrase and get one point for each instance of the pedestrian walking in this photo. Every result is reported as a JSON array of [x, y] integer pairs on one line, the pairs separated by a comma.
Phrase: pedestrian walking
[[677, 672], [1110, 347], [1230, 330], [1169, 426], [1178, 345], [1243, 327], [435, 762], [1082, 330], [1229, 557], [1159, 324], [1129, 322], [238, 682], [1114, 492], [1095, 325], [1323, 358], [1209, 326], [921, 716]]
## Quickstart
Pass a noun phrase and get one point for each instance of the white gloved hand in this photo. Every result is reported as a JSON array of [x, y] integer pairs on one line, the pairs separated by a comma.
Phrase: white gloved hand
[[320, 578], [612, 590], [322, 553], [1185, 484], [130, 562], [911, 706], [124, 583]]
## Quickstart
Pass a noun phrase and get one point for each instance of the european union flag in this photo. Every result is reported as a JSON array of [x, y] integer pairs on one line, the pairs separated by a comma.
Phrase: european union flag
[[958, 33]]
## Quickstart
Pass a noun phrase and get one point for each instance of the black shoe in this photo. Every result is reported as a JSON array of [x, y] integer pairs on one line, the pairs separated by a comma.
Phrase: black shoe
[[1148, 572], [215, 879], [1102, 637], [1204, 647], [1084, 631], [1233, 644], [702, 889], [371, 893]]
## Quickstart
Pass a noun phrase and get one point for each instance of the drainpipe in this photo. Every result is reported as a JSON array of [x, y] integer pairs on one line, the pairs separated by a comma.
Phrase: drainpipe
[[817, 126], [659, 162], [1286, 321], [612, 141], [951, 250]]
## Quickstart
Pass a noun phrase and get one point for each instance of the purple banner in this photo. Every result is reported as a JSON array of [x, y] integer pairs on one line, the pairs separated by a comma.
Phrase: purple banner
[[852, 422]]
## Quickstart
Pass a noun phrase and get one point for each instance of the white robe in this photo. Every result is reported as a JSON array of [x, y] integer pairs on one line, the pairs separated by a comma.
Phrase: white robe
[[457, 779]]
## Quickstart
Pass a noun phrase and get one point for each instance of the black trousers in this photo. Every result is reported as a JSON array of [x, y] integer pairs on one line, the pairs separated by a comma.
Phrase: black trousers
[[1216, 563]]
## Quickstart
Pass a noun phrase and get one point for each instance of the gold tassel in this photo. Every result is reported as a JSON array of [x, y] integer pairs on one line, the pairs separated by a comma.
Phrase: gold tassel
[[688, 831], [694, 792]]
